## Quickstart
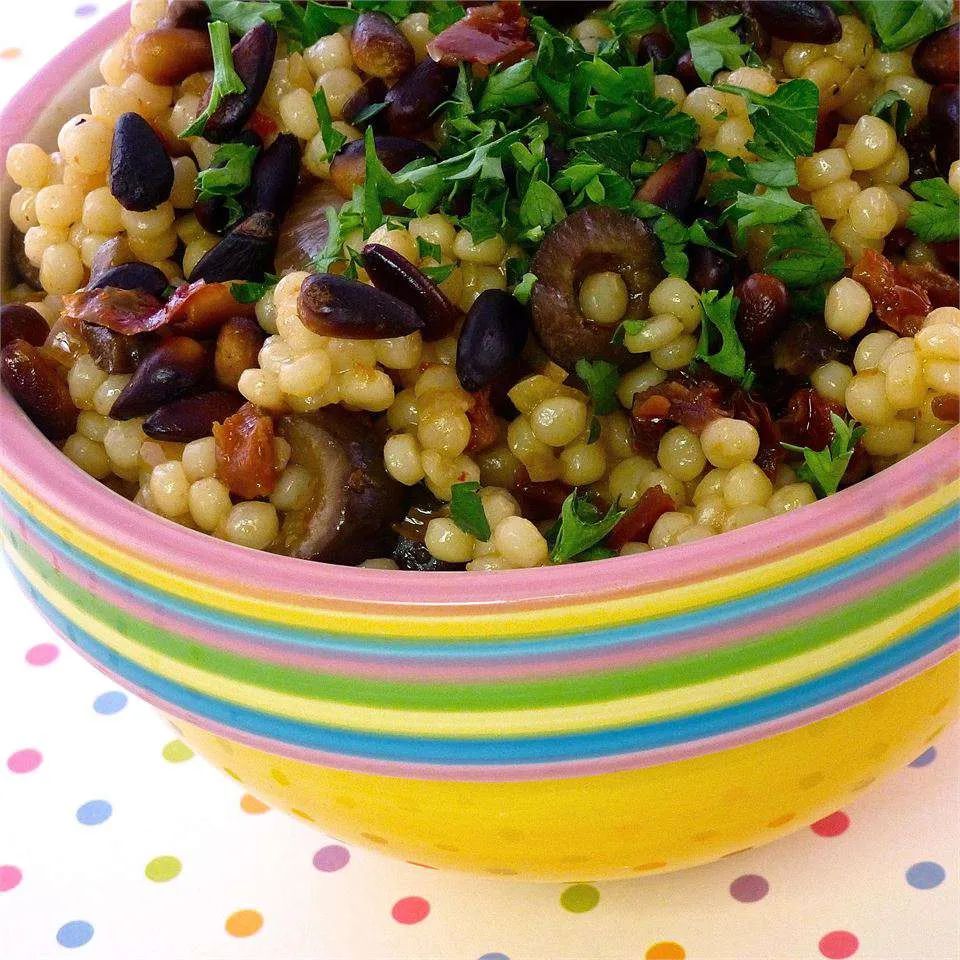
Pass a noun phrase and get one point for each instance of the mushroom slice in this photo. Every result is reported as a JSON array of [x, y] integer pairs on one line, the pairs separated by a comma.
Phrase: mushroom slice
[[354, 500], [591, 240]]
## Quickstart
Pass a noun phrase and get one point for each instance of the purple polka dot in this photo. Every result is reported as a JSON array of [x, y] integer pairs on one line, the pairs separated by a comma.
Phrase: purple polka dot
[[926, 875], [85, 10], [494, 956], [42, 654], [332, 858], [24, 761], [76, 933], [925, 758], [113, 701], [10, 877], [749, 888]]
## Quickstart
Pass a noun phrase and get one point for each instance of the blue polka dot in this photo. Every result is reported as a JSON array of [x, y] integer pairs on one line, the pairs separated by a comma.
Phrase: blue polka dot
[[494, 956], [74, 934], [93, 812], [925, 758], [111, 702], [926, 875]]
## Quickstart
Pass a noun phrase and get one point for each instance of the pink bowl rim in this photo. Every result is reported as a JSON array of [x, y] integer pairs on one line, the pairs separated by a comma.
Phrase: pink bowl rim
[[47, 473]]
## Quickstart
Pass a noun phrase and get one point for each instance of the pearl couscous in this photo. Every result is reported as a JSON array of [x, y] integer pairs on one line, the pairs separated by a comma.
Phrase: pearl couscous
[[401, 293]]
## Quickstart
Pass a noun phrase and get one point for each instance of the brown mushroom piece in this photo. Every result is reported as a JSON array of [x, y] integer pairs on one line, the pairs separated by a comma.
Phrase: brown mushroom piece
[[592, 240], [304, 230], [354, 500]]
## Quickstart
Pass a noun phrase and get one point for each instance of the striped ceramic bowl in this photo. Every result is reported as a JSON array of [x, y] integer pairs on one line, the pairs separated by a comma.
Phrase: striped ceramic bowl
[[631, 716]]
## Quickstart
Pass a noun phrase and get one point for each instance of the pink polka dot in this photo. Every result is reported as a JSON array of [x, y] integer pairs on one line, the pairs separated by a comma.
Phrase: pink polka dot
[[749, 888], [10, 877], [410, 910], [331, 858], [832, 825], [42, 654], [838, 945], [23, 761]]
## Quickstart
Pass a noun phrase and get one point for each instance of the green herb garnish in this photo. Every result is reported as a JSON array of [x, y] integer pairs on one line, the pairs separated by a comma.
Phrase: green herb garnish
[[720, 347], [332, 139], [225, 79], [824, 469], [580, 528], [892, 107], [249, 292], [900, 23], [466, 510], [601, 379], [524, 287], [935, 218], [228, 176], [714, 46]]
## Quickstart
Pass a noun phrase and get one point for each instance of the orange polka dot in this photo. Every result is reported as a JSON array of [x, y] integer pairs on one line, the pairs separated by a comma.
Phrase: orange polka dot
[[250, 804], [652, 865], [665, 950], [10, 53], [244, 923]]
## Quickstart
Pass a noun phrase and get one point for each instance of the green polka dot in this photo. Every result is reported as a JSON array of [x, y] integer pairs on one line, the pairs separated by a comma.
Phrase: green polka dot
[[162, 869], [580, 898], [176, 751]]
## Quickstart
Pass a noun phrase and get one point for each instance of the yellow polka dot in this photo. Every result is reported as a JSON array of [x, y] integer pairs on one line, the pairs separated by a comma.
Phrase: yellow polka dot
[[244, 923], [781, 820], [176, 751]]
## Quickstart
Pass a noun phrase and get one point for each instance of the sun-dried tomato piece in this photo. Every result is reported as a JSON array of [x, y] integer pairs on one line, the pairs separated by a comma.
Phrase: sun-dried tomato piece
[[898, 305], [493, 33], [691, 401], [540, 500], [946, 406], [262, 125], [123, 311], [197, 309], [635, 525], [484, 425], [747, 406], [807, 421], [942, 289], [246, 459]]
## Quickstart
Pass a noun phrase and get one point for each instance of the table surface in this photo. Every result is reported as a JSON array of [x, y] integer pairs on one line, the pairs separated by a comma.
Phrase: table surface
[[116, 841]]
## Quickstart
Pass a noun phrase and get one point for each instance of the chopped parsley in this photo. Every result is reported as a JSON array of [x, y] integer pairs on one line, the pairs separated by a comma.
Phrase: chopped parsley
[[714, 46], [332, 139], [225, 79], [801, 253], [243, 15], [524, 287], [720, 347], [824, 469], [466, 510], [228, 176], [753, 209], [580, 529], [601, 379], [892, 107], [935, 217], [900, 23], [249, 292]]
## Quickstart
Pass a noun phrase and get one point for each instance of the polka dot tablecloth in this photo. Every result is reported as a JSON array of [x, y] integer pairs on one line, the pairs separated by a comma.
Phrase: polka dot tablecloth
[[116, 843]]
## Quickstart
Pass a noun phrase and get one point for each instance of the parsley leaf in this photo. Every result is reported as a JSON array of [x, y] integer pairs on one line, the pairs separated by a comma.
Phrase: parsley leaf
[[824, 469], [524, 287], [626, 328], [714, 46], [228, 176], [509, 87], [752, 209], [629, 16], [244, 15], [439, 273], [900, 23], [332, 139], [601, 379], [466, 510], [428, 250], [250, 292], [679, 17], [340, 223], [443, 14], [892, 107], [785, 122], [801, 253], [579, 528], [935, 218], [225, 79], [720, 347]]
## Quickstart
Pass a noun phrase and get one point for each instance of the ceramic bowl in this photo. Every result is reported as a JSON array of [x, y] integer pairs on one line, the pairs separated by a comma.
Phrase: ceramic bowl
[[597, 720]]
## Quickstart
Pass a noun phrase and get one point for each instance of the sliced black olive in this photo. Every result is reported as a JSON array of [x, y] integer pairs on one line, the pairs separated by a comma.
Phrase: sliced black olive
[[339, 307], [273, 181], [174, 368], [245, 253], [491, 339], [141, 172], [354, 500], [592, 240], [133, 276], [304, 231], [412, 102], [348, 169], [192, 417], [253, 57], [675, 185], [19, 321]]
